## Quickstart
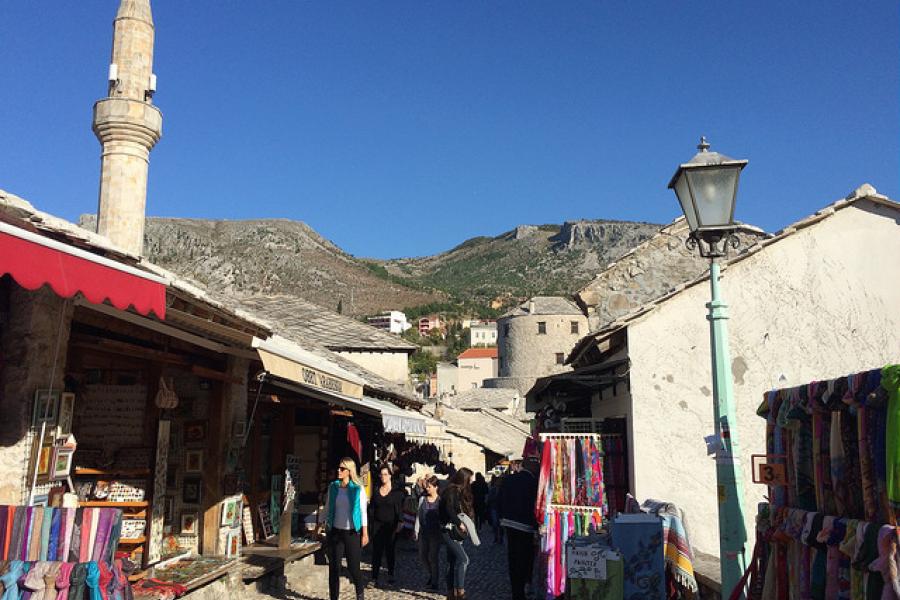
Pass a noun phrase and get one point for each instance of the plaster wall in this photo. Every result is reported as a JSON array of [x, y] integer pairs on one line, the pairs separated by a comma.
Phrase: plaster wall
[[473, 371], [467, 454], [526, 353], [815, 305], [393, 366], [447, 379], [36, 326]]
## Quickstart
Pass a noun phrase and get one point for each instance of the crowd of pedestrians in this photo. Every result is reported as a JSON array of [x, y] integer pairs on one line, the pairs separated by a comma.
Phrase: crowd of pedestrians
[[449, 514]]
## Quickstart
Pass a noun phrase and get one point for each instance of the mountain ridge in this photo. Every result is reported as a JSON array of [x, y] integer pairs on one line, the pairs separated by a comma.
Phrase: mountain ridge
[[251, 257]]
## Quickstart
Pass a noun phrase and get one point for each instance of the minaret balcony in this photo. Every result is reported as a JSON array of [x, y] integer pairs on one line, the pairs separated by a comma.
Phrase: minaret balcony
[[127, 120]]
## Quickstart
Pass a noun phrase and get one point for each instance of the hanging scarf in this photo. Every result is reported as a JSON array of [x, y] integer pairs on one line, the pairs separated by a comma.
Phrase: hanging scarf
[[10, 580], [890, 382], [544, 482], [63, 580]]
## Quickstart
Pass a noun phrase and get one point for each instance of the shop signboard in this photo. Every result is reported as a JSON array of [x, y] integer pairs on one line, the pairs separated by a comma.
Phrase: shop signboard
[[158, 511], [768, 472]]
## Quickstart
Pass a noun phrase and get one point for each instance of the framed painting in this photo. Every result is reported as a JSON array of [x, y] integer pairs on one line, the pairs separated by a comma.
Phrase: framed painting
[[46, 405], [62, 462], [66, 413], [189, 523], [194, 433], [193, 461], [233, 544], [191, 490]]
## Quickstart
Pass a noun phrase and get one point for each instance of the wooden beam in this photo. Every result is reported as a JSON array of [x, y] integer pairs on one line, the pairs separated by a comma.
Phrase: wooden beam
[[86, 342], [215, 375], [214, 469]]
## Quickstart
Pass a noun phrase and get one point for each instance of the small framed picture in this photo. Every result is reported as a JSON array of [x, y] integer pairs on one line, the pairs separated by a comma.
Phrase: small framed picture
[[231, 511], [191, 490], [188, 523], [66, 412], [46, 403], [194, 433], [193, 461], [239, 429], [62, 463], [233, 544], [45, 461]]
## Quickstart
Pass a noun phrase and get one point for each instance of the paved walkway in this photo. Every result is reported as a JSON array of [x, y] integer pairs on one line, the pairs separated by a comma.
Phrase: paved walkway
[[487, 577]]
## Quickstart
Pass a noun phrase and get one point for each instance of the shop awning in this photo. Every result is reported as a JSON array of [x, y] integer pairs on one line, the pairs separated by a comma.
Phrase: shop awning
[[395, 419], [34, 260], [282, 358]]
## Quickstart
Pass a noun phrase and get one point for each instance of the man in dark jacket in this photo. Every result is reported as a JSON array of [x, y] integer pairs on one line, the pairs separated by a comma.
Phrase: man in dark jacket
[[518, 495]]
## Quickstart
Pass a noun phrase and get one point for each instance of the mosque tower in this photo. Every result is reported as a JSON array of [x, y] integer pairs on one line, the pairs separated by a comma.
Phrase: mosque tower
[[128, 126]]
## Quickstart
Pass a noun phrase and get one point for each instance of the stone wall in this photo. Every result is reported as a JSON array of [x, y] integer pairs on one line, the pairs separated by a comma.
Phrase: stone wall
[[524, 352], [647, 272], [35, 325]]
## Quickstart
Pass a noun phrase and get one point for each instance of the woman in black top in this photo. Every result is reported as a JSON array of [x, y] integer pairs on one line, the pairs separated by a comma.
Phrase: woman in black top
[[456, 500], [386, 509]]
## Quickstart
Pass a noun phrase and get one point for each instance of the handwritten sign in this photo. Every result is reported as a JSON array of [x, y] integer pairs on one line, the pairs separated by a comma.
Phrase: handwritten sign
[[585, 562], [265, 520]]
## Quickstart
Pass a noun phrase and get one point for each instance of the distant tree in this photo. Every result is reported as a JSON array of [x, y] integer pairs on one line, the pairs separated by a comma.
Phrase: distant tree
[[422, 363]]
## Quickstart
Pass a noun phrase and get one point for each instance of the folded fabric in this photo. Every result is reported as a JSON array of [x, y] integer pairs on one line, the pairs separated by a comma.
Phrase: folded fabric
[[471, 530], [50, 580], [10, 580], [63, 580], [34, 580]]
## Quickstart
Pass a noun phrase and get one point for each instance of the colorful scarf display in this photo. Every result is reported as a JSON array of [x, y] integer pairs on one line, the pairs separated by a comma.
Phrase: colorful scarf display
[[832, 531], [38, 534]]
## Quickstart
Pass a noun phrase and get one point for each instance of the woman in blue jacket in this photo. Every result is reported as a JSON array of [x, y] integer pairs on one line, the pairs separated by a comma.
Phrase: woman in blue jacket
[[346, 526]]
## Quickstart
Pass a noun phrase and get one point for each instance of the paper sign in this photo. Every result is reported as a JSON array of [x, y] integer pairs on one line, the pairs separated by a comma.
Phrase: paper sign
[[585, 562]]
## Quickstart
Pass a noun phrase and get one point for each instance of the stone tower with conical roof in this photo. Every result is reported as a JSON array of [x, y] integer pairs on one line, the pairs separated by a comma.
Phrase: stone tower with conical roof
[[128, 126]]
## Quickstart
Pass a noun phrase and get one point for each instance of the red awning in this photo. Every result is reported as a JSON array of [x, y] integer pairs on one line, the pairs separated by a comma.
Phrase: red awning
[[33, 260]]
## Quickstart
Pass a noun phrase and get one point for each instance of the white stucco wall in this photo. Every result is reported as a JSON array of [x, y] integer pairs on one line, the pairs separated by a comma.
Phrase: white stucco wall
[[473, 371], [393, 366], [816, 305]]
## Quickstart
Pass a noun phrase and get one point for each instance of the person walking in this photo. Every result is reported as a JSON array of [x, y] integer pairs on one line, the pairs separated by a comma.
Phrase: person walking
[[479, 499], [428, 531], [386, 510], [454, 507], [346, 527], [518, 495], [493, 503]]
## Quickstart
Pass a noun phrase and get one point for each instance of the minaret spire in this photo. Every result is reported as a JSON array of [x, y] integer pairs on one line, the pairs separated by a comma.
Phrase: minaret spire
[[128, 126]]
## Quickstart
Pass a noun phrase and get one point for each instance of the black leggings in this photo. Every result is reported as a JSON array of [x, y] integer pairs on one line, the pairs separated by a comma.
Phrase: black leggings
[[384, 538], [341, 543]]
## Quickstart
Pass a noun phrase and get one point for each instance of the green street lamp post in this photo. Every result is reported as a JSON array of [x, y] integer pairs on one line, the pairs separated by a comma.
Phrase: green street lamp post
[[706, 187]]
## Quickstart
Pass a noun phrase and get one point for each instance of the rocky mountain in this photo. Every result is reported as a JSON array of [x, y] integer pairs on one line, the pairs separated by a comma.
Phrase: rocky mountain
[[278, 256], [273, 256], [528, 260]]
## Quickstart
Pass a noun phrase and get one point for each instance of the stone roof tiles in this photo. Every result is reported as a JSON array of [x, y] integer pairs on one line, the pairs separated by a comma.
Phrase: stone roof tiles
[[545, 305]]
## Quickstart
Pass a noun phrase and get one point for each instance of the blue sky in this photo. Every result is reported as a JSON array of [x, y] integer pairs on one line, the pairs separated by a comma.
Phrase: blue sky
[[404, 128]]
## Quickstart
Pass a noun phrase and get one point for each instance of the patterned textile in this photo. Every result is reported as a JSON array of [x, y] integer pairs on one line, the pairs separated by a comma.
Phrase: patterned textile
[[676, 546], [640, 541]]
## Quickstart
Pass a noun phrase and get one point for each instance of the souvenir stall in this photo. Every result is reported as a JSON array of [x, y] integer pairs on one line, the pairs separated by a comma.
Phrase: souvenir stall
[[833, 469], [153, 433], [571, 504], [587, 553]]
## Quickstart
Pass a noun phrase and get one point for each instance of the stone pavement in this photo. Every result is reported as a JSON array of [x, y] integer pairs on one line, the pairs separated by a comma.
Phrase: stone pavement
[[486, 579]]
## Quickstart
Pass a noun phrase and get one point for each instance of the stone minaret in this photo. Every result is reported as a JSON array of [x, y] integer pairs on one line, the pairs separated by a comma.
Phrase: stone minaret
[[128, 126]]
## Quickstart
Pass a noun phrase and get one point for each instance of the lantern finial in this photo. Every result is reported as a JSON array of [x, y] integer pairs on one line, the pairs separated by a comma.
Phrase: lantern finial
[[703, 146]]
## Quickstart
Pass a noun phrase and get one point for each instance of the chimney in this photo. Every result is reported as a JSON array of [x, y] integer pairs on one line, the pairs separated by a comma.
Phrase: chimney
[[531, 307], [128, 126]]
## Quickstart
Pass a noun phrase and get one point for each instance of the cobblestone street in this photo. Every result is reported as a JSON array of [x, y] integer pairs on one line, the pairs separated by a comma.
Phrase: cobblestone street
[[486, 578]]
